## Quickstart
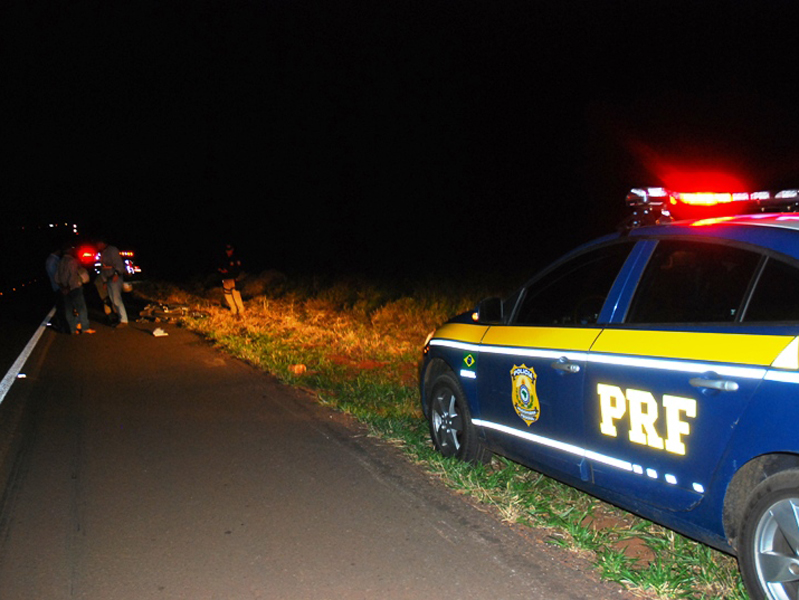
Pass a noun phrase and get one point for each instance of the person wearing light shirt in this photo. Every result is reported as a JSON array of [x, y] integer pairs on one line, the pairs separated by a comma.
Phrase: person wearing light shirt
[[69, 279], [112, 271]]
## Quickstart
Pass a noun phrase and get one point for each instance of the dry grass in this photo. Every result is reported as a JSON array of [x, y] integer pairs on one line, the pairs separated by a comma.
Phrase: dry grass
[[346, 331]]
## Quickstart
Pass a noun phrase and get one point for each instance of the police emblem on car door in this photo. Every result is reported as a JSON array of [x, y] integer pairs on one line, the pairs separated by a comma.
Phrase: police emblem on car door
[[524, 396]]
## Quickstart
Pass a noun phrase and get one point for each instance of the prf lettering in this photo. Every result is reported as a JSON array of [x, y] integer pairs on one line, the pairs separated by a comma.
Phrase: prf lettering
[[642, 412]]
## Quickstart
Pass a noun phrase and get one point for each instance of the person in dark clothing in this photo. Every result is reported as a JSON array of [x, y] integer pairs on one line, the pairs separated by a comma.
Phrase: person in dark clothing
[[58, 321]]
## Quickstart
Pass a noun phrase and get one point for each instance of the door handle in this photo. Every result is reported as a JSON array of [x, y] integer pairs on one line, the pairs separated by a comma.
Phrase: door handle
[[564, 365], [722, 385]]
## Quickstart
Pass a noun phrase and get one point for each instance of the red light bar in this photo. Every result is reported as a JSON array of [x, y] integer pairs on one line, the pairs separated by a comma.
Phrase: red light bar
[[713, 198], [703, 198], [656, 204]]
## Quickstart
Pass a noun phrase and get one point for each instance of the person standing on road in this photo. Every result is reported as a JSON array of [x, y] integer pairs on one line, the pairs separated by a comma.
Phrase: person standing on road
[[112, 272], [70, 277], [51, 266], [230, 269]]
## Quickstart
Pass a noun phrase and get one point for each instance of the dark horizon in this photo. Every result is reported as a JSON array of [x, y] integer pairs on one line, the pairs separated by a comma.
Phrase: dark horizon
[[371, 137]]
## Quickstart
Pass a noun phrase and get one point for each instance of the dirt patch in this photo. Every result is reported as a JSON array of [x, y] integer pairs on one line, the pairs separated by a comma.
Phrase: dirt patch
[[633, 547], [636, 550]]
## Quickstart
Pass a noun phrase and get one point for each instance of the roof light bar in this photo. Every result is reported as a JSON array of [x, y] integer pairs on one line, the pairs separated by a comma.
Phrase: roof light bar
[[654, 205], [705, 198]]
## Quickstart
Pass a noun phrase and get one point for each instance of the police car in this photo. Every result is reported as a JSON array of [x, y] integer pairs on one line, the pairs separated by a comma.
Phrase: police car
[[656, 368]]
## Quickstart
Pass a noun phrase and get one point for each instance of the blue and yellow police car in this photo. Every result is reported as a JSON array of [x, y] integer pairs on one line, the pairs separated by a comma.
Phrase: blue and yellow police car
[[656, 368]]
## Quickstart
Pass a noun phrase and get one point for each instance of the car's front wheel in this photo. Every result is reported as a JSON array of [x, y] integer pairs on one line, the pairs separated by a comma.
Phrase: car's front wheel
[[450, 422], [769, 550]]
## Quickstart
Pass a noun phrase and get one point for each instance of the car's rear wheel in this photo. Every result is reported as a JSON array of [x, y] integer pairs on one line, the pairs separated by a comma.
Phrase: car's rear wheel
[[769, 550], [450, 422]]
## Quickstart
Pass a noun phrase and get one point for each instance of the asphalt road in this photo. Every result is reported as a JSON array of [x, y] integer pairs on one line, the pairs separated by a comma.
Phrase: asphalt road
[[140, 467], [20, 314]]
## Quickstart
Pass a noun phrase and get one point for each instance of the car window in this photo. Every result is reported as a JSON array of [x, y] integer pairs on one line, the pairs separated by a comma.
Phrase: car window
[[693, 282], [574, 292], [776, 297]]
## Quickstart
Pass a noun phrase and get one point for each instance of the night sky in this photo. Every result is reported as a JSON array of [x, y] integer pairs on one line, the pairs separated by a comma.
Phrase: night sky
[[380, 136]]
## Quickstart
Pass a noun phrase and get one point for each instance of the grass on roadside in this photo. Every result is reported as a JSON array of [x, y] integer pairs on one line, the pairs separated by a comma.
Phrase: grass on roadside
[[357, 346]]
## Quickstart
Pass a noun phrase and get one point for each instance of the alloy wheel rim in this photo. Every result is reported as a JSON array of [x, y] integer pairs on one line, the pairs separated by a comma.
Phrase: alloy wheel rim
[[776, 551], [446, 421]]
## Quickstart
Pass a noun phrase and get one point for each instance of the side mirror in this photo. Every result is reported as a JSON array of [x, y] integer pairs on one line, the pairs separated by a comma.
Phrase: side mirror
[[489, 310]]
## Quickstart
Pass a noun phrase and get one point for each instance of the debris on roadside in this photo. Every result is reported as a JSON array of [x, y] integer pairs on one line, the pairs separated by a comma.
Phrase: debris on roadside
[[168, 313]]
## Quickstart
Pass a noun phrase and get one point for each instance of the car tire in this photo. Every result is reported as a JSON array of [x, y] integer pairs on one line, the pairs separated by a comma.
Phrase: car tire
[[450, 421], [768, 554]]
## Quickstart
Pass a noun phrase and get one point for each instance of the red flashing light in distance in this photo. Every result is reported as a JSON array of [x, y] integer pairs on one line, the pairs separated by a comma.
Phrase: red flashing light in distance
[[87, 255]]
